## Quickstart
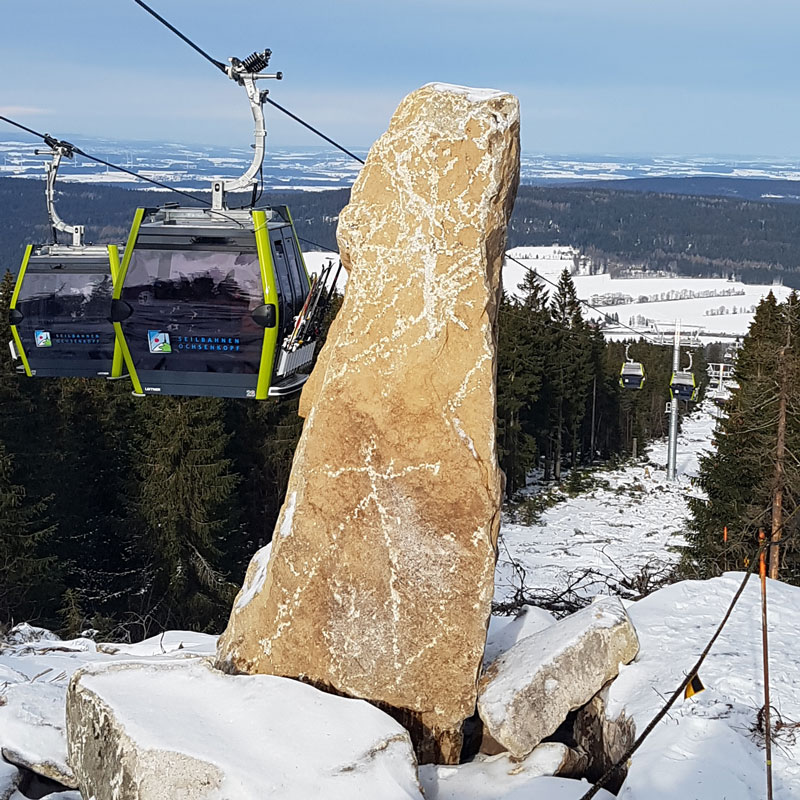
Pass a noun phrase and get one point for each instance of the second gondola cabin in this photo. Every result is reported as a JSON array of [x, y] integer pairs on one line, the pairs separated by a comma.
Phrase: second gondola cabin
[[683, 386], [206, 303], [59, 311], [631, 375]]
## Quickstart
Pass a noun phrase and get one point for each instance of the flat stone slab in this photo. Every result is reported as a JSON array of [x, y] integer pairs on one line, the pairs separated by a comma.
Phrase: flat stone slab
[[32, 729], [529, 690], [185, 730]]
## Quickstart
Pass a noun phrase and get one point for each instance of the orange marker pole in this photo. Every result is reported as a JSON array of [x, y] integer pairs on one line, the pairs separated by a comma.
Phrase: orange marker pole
[[762, 571], [725, 548]]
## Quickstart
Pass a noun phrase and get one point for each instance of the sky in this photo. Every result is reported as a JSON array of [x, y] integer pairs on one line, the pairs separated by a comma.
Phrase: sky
[[626, 77]]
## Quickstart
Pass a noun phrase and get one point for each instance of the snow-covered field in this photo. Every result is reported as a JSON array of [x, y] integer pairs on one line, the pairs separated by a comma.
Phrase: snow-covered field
[[716, 307]]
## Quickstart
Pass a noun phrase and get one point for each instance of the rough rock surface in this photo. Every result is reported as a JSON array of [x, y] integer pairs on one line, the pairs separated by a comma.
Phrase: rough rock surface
[[164, 731], [604, 738], [381, 575], [528, 692]]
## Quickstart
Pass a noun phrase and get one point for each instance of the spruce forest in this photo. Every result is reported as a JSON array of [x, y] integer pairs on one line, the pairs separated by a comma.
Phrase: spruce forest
[[132, 515], [752, 476]]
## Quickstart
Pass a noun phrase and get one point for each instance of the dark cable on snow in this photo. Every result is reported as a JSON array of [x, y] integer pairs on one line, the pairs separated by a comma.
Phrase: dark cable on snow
[[609, 773]]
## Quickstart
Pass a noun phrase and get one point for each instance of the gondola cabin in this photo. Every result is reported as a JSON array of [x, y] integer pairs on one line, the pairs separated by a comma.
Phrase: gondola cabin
[[631, 375], [59, 311], [207, 302], [683, 386]]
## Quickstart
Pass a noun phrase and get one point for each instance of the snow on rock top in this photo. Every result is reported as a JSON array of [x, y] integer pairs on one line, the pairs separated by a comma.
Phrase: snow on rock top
[[528, 692], [184, 729], [505, 632], [500, 777], [35, 668], [472, 94]]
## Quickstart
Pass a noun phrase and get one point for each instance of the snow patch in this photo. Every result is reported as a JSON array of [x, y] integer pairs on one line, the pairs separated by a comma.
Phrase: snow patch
[[251, 589], [474, 95], [288, 516]]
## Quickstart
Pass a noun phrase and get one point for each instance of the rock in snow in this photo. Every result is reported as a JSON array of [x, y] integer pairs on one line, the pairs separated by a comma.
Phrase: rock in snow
[[32, 729], [381, 575], [184, 730], [528, 692], [494, 777], [35, 668], [9, 779]]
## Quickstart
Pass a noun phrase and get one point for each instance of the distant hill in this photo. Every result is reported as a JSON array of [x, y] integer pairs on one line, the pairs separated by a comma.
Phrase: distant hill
[[677, 232], [755, 189]]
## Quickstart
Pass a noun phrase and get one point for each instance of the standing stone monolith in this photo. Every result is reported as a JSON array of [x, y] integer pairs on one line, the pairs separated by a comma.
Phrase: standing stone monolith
[[381, 576]]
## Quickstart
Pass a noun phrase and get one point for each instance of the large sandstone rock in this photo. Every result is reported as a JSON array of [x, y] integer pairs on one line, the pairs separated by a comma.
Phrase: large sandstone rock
[[381, 575], [163, 731], [528, 691]]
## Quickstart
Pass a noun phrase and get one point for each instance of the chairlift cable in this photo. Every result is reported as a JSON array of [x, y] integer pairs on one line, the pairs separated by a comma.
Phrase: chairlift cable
[[219, 65], [583, 302]]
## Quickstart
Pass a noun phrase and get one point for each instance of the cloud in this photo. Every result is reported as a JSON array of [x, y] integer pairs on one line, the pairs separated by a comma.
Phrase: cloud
[[22, 111]]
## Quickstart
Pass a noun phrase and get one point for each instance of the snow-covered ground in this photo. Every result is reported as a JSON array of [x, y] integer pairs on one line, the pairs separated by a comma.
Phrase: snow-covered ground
[[632, 520], [707, 748]]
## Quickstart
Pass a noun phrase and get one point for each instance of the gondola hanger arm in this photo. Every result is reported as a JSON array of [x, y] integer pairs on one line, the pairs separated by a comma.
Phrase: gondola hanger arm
[[246, 73], [58, 150]]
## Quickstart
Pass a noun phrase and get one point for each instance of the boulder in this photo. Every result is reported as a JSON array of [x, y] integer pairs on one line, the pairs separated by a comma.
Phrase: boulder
[[163, 731], [381, 575], [527, 692], [32, 729], [603, 737]]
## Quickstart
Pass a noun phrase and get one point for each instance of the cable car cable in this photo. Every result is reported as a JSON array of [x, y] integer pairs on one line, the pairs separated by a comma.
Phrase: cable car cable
[[312, 128], [48, 139], [219, 65], [583, 302]]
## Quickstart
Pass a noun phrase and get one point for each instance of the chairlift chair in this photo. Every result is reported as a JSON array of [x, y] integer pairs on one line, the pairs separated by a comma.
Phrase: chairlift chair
[[217, 301], [59, 309]]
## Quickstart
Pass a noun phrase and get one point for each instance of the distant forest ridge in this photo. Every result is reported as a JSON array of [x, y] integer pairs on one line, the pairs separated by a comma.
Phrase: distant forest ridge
[[757, 241]]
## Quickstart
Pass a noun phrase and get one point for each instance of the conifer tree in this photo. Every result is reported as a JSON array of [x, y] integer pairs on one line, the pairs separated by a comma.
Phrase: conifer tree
[[184, 502], [739, 475], [570, 369], [26, 576]]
